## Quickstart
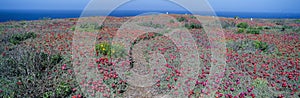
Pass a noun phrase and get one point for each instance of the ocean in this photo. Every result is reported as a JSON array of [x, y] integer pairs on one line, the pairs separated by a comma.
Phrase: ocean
[[19, 15]]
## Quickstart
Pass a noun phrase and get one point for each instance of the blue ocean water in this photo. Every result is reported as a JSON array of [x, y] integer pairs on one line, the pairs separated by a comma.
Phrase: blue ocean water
[[18, 15]]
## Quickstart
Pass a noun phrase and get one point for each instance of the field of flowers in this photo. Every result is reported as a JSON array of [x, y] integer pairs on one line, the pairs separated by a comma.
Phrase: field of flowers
[[41, 59]]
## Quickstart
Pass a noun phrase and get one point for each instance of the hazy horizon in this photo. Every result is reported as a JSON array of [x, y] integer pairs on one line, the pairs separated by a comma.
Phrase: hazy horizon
[[281, 6]]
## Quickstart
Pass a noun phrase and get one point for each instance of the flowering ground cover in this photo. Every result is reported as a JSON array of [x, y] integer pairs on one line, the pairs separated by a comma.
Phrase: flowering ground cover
[[41, 59]]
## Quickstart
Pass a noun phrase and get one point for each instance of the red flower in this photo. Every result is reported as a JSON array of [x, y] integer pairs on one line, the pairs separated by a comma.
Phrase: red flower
[[3, 54], [77, 96], [191, 92], [158, 85], [168, 78], [220, 95], [175, 79], [253, 96], [19, 83], [169, 86], [113, 85], [284, 84]]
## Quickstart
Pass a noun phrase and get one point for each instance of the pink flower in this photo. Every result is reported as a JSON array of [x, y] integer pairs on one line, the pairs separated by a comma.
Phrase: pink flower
[[232, 89], [172, 57], [64, 67], [70, 71], [176, 93], [74, 89]]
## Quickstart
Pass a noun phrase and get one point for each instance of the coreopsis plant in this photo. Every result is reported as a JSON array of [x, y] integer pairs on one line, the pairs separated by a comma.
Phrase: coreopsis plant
[[110, 50]]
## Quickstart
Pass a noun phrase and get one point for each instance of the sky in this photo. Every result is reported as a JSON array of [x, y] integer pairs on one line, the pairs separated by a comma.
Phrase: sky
[[217, 5]]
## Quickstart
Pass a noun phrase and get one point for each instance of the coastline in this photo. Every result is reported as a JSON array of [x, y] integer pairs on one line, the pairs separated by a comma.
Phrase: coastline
[[27, 15]]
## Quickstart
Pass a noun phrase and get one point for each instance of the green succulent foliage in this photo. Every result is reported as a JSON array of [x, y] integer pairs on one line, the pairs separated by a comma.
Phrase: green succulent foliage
[[117, 51], [261, 88], [242, 25], [63, 89], [73, 28], [48, 94], [260, 83], [253, 31], [241, 30], [260, 45], [260, 28], [17, 38], [55, 59]]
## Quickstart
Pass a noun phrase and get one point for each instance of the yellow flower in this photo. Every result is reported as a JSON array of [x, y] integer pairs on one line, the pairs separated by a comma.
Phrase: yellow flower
[[103, 48]]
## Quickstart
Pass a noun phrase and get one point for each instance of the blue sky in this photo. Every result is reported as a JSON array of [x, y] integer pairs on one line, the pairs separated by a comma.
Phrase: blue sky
[[217, 5]]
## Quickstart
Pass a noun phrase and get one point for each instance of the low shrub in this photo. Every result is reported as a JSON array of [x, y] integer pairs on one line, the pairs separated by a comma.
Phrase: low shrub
[[259, 83], [227, 24], [55, 59], [17, 38], [193, 26], [34, 74], [192, 16], [117, 50], [260, 45], [242, 25], [48, 94], [266, 27], [259, 28], [261, 88], [251, 46], [172, 21], [103, 48], [240, 30], [150, 24], [89, 27], [63, 89], [181, 19], [73, 28], [252, 31], [110, 50]]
